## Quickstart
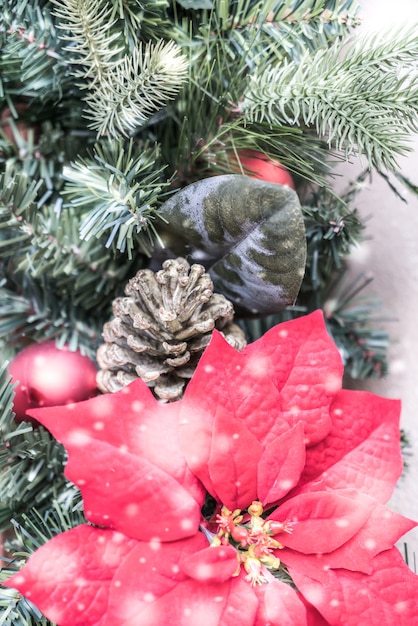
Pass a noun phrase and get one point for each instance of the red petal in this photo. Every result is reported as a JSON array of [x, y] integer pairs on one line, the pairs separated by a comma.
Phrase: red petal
[[151, 589], [314, 618], [132, 478], [233, 461], [323, 521], [279, 605], [213, 564], [380, 533], [281, 465], [69, 578], [305, 367], [388, 596], [363, 448]]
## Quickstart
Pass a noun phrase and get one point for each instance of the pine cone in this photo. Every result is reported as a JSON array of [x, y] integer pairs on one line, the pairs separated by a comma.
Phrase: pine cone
[[161, 328]]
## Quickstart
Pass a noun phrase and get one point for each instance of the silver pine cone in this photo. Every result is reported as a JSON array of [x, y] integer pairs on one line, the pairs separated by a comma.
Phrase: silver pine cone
[[161, 328]]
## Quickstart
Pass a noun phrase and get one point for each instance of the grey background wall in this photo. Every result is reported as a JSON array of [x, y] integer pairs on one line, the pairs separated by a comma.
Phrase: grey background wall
[[390, 254]]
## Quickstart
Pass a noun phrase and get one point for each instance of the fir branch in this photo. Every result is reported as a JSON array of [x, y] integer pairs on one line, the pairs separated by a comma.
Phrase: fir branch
[[332, 229], [123, 91], [118, 189], [32, 60], [17, 199], [354, 321], [202, 134], [39, 313], [136, 89], [359, 97], [92, 41], [144, 20], [6, 394], [81, 272], [32, 469]]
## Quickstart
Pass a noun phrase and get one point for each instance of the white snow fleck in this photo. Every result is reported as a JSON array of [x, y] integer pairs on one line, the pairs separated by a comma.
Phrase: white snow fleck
[[333, 383], [20, 580], [137, 406], [258, 365], [369, 544], [149, 597], [186, 524], [155, 543], [342, 523], [79, 437], [98, 425], [131, 510]]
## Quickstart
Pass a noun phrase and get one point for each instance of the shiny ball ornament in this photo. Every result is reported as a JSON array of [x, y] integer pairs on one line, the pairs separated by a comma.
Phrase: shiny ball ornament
[[48, 376], [258, 165], [20, 126]]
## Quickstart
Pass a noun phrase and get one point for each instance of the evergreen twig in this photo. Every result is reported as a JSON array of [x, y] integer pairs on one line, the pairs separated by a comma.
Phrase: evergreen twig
[[360, 96], [123, 90], [118, 189]]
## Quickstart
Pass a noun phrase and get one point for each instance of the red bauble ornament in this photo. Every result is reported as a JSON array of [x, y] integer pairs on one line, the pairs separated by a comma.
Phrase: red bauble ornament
[[260, 166], [22, 126], [49, 376]]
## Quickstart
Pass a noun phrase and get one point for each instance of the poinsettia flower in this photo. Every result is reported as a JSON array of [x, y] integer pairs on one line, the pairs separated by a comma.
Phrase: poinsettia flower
[[265, 429]]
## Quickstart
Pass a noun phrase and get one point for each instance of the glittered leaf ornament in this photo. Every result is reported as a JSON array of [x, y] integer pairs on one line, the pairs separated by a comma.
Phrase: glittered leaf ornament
[[248, 233], [298, 472]]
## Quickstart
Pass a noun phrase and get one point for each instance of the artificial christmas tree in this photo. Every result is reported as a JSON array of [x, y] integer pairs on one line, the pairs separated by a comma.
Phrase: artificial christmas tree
[[122, 130]]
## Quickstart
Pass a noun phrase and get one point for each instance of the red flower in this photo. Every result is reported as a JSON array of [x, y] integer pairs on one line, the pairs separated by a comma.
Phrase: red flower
[[265, 429]]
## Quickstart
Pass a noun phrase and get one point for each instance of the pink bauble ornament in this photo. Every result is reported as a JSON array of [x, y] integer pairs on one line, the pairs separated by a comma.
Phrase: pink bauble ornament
[[259, 166], [49, 376]]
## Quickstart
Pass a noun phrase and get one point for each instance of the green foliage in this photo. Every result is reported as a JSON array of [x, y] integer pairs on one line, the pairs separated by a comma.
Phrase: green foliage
[[360, 96], [32, 468], [52, 279], [117, 190], [355, 323], [332, 229], [123, 90], [32, 61]]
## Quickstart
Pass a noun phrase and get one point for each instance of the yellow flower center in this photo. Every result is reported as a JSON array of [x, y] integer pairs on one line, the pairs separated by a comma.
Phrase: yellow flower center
[[254, 539]]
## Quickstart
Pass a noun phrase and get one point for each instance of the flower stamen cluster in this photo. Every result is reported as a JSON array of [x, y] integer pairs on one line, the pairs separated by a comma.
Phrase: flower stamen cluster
[[253, 539]]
